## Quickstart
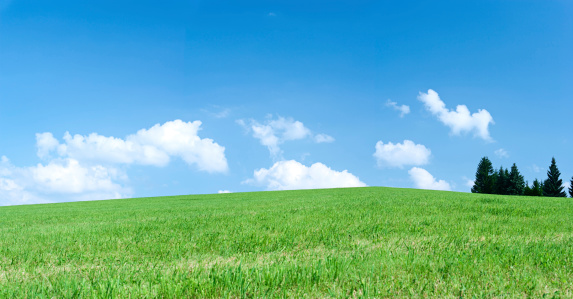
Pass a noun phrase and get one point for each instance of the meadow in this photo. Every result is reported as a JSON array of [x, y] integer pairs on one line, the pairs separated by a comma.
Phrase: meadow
[[355, 242]]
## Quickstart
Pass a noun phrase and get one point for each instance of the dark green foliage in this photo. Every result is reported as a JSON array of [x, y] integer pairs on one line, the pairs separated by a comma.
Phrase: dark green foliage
[[484, 182], [506, 182], [502, 182], [516, 184], [536, 189], [553, 185], [527, 190]]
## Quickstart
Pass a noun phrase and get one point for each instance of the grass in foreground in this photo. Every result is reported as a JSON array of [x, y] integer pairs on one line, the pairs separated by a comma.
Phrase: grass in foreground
[[360, 242]]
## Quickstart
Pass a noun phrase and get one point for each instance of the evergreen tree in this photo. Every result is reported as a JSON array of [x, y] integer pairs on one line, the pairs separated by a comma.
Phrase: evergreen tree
[[571, 187], [553, 185], [506, 186], [484, 177], [527, 191], [494, 179], [502, 182], [515, 183], [538, 187]]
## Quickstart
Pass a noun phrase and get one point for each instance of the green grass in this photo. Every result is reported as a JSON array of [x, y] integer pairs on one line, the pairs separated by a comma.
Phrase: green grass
[[358, 242]]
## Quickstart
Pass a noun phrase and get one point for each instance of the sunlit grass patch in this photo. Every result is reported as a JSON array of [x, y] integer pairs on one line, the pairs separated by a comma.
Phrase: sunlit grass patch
[[370, 242]]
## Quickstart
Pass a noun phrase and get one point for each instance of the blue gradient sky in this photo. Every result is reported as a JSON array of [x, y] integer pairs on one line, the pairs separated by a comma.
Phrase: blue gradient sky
[[115, 68]]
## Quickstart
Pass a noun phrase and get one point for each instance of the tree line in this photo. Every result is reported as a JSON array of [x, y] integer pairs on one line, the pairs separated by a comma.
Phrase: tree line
[[511, 182]]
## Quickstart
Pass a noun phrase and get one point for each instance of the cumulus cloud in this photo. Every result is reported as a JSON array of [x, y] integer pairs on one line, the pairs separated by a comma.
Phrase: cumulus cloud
[[45, 142], [59, 180], [223, 191], [401, 154], [276, 131], [460, 120], [290, 175], [68, 176], [154, 146], [403, 109], [501, 153], [424, 180], [86, 167]]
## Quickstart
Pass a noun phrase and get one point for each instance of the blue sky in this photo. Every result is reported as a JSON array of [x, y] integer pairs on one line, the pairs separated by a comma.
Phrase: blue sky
[[100, 99]]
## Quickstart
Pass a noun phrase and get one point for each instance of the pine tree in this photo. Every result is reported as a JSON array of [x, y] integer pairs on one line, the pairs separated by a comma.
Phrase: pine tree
[[506, 186], [527, 191], [538, 187], [553, 185], [571, 187], [484, 177], [501, 182], [515, 183]]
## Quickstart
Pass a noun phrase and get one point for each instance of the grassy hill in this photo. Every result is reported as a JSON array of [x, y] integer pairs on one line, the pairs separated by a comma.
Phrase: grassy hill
[[371, 242]]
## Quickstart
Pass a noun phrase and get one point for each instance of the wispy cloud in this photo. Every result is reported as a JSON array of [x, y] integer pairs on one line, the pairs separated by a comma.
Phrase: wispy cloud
[[274, 132], [536, 168], [501, 153], [323, 138], [468, 182], [403, 109], [217, 112]]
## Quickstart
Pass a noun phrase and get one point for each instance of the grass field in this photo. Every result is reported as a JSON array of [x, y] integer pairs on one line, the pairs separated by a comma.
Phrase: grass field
[[357, 242]]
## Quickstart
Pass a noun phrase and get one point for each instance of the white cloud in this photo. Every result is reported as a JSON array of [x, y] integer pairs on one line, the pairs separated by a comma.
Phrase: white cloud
[[424, 180], [276, 131], [403, 109], [154, 146], [60, 180], [291, 129], [224, 191], [219, 113], [222, 114], [468, 182], [323, 138], [290, 175], [460, 120], [45, 142], [9, 185], [401, 154], [84, 167], [501, 153], [68, 176]]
